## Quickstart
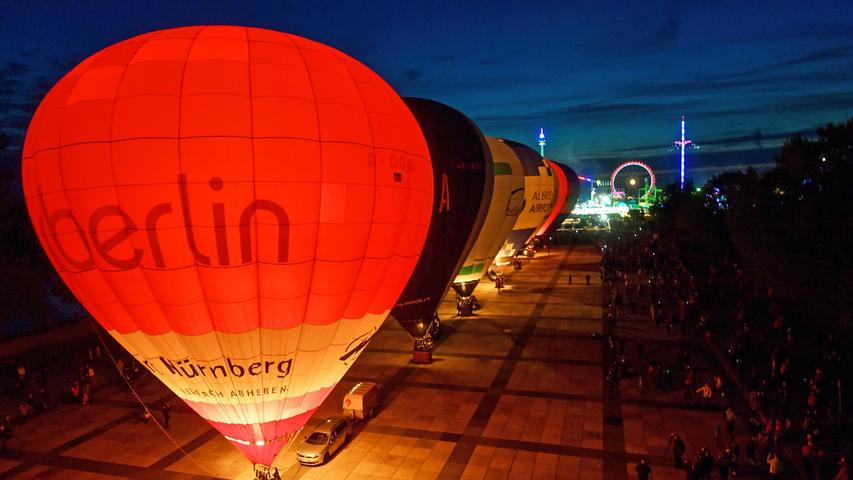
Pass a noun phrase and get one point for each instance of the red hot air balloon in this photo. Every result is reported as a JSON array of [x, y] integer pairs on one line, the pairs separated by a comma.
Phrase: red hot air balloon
[[572, 193], [240, 208], [562, 193]]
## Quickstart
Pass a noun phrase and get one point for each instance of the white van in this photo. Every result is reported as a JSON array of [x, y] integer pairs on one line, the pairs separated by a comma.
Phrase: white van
[[361, 401]]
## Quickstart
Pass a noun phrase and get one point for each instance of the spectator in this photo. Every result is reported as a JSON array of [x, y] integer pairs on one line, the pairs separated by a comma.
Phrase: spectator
[[90, 374], [166, 410], [24, 411], [5, 434], [730, 422], [724, 463], [677, 448], [842, 473], [750, 450], [689, 384], [775, 465], [644, 472], [75, 392], [718, 386]]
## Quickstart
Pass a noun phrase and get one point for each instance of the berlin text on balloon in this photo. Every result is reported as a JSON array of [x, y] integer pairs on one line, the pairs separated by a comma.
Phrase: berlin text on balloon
[[93, 237]]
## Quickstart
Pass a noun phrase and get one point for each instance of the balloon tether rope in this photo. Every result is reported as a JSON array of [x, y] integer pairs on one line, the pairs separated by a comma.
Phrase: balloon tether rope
[[142, 402]]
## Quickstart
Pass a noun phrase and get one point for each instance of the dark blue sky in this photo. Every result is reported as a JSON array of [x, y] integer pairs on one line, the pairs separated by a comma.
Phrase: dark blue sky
[[607, 80]]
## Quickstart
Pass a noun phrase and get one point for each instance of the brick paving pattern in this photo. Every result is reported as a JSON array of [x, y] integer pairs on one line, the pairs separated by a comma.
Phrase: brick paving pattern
[[514, 392]]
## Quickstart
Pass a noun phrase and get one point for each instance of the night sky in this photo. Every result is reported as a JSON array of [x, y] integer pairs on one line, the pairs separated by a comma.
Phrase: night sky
[[607, 82]]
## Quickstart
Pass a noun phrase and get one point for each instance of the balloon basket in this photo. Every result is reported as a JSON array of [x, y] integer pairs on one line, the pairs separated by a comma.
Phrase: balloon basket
[[262, 472], [464, 306], [421, 357], [422, 352]]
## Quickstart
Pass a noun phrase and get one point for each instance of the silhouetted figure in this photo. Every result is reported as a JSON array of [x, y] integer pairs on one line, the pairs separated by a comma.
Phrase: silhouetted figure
[[644, 471], [775, 465], [842, 473], [678, 449], [166, 410], [5, 434], [724, 464], [588, 278]]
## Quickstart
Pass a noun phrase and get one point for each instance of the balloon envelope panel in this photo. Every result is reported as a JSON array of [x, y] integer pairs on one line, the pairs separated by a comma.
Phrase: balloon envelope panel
[[561, 187], [538, 197], [463, 180], [507, 203], [573, 187], [238, 207]]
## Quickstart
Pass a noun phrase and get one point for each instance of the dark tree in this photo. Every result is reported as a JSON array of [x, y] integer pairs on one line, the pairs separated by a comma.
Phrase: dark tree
[[27, 279]]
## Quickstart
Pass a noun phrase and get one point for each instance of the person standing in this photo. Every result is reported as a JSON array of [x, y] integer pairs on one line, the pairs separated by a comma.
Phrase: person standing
[[689, 384], [750, 450], [166, 410], [5, 434], [677, 447], [588, 278], [730, 422], [724, 464], [842, 473], [570, 278], [644, 471], [90, 374], [775, 465], [718, 387]]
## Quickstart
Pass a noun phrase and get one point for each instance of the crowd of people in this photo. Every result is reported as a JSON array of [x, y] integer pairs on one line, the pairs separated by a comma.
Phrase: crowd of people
[[36, 384], [791, 386]]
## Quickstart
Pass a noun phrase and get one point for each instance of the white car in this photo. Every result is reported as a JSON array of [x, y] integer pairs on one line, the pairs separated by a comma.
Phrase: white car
[[324, 441]]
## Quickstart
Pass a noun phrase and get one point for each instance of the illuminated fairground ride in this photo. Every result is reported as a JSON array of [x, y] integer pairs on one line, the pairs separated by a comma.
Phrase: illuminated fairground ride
[[633, 182]]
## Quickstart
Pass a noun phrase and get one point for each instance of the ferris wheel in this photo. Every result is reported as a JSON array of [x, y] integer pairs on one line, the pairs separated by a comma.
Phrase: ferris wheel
[[632, 179]]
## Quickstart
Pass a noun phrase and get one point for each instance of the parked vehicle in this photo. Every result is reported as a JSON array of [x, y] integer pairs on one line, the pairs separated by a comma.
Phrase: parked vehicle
[[326, 439], [361, 401]]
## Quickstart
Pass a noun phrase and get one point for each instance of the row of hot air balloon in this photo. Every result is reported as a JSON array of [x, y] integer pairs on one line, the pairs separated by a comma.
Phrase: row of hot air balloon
[[492, 198], [242, 208]]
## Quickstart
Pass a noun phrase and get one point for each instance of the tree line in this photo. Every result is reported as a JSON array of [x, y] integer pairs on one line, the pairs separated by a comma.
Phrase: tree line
[[789, 228]]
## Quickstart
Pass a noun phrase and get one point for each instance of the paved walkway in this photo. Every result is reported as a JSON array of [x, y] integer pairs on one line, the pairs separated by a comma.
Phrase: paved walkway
[[513, 392]]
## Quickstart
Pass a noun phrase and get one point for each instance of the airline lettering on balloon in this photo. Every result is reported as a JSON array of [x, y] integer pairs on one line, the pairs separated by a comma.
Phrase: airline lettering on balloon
[[444, 204], [542, 201], [104, 245]]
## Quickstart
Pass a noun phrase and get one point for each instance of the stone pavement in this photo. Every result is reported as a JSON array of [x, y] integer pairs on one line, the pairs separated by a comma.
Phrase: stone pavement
[[514, 392]]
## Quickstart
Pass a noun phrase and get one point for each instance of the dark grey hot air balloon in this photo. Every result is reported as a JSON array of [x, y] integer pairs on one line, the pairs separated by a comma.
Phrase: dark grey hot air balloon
[[463, 181]]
